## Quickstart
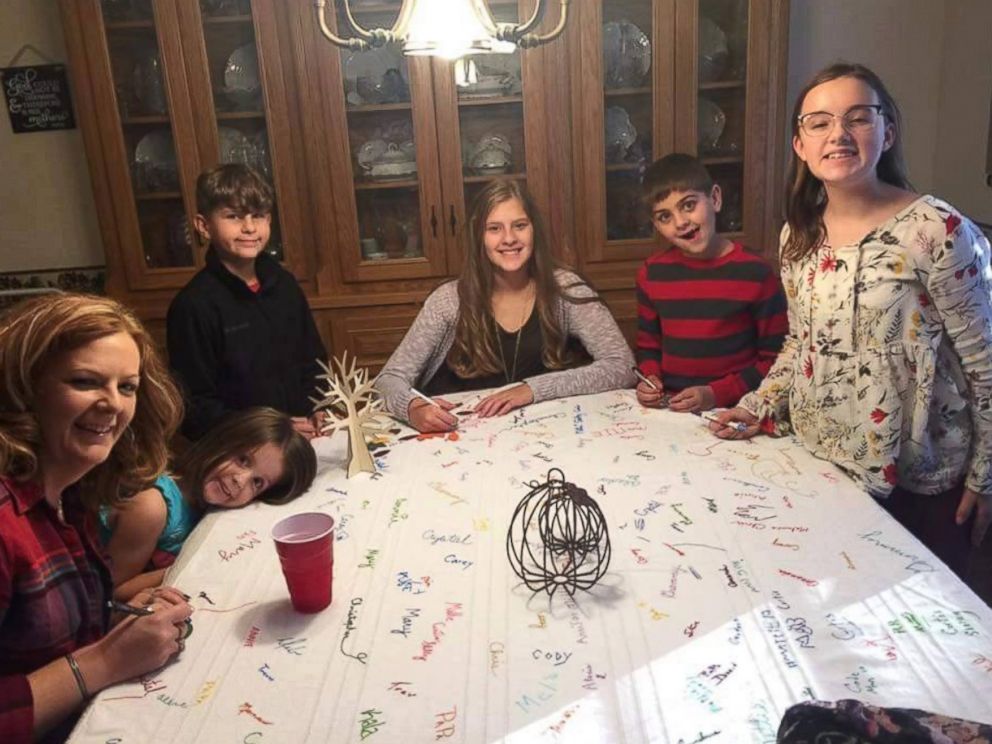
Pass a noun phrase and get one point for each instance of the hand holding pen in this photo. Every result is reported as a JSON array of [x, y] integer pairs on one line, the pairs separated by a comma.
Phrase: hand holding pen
[[650, 391], [734, 423], [428, 414]]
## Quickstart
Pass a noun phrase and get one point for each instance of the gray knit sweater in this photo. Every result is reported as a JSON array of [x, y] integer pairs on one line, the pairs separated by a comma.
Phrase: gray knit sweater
[[426, 344]]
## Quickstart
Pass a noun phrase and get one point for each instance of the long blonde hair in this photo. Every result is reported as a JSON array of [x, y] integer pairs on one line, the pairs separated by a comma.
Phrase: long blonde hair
[[32, 334], [474, 352]]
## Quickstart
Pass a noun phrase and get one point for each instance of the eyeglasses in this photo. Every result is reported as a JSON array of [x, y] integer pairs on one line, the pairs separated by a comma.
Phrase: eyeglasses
[[856, 119]]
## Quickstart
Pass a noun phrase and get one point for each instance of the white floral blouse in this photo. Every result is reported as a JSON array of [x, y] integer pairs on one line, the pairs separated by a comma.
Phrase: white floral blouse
[[887, 369]]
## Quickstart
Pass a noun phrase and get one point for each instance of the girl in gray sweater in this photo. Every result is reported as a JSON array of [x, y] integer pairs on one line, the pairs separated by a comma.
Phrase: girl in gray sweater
[[509, 321]]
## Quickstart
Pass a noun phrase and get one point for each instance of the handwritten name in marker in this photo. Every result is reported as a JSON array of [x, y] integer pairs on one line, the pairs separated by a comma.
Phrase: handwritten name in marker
[[982, 662], [444, 724], [402, 688], [248, 710], [248, 540], [589, 677], [655, 614], [350, 626], [252, 636], [397, 513], [803, 579], [557, 727], [371, 556], [442, 489], [860, 681], [454, 560], [496, 653], [294, 646], [408, 584], [452, 611], [701, 737], [170, 701], [539, 694], [370, 723], [406, 622], [886, 646], [542, 621], [717, 674], [556, 658], [451, 539]]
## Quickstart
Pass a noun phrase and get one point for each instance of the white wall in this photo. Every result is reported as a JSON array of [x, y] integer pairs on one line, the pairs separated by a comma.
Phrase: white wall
[[47, 215], [901, 40], [935, 57], [965, 100]]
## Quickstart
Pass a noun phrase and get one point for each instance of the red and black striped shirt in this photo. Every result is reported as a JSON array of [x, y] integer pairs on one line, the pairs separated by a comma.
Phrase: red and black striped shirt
[[718, 322]]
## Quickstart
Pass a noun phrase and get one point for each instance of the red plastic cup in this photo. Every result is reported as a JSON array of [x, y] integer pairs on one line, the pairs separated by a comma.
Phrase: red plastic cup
[[305, 543]]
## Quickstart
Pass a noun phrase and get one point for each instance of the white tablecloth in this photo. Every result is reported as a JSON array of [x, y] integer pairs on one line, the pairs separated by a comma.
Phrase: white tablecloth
[[745, 577]]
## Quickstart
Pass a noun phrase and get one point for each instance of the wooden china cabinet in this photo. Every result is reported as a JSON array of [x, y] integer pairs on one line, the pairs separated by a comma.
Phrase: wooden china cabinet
[[660, 76], [375, 157]]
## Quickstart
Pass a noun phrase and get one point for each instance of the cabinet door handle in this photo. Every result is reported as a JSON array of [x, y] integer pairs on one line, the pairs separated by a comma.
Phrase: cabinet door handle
[[452, 221], [433, 221]]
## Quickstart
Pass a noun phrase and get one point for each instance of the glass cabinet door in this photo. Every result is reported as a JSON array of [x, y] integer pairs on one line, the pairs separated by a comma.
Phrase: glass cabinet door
[[482, 119], [721, 96], [398, 225], [489, 92], [729, 112], [627, 79], [235, 82], [153, 167]]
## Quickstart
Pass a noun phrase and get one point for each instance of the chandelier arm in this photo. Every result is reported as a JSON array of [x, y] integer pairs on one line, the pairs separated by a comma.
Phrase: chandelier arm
[[355, 44], [533, 40], [353, 24], [518, 30]]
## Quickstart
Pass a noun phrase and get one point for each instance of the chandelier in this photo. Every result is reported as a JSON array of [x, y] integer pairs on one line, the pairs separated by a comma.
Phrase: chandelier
[[444, 28]]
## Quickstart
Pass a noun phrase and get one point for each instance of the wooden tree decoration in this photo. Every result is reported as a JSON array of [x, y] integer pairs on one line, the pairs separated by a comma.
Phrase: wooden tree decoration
[[350, 403]]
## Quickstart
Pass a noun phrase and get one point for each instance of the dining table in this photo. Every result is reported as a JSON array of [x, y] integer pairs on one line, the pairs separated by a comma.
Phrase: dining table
[[732, 580]]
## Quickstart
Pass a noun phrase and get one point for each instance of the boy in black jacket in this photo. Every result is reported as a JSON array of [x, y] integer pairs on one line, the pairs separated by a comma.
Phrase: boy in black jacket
[[241, 334]]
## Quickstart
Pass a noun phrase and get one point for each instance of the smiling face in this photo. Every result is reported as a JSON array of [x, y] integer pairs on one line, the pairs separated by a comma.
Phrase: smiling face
[[85, 400], [242, 478], [687, 220], [509, 238], [840, 157], [236, 236]]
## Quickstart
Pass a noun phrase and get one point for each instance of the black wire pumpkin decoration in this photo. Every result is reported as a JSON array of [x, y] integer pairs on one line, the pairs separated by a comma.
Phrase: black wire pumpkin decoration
[[558, 538]]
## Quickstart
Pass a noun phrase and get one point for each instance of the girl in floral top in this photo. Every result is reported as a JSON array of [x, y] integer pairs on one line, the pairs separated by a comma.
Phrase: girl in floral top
[[887, 370]]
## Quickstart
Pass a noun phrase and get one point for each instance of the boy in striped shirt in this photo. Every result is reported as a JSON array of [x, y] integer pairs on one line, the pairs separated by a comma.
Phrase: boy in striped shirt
[[711, 314]]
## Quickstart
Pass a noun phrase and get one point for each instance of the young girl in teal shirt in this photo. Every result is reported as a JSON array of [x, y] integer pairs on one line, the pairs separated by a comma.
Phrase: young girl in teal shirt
[[255, 453]]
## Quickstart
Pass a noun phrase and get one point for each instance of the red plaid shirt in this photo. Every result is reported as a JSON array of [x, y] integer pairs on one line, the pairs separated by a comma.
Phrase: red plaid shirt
[[53, 590]]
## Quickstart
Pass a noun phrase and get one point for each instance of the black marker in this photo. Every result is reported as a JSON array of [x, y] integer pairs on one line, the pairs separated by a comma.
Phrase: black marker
[[129, 609]]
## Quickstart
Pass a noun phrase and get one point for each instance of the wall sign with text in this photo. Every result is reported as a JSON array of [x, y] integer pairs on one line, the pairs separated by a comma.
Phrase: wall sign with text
[[38, 98]]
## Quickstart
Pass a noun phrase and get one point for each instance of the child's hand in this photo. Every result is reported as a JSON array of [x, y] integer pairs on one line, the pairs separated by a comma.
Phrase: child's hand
[[699, 398], [648, 397], [305, 426], [721, 429], [426, 417], [501, 403]]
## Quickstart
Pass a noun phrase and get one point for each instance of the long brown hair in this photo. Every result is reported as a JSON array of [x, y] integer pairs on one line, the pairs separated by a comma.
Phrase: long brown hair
[[32, 334], [474, 352], [243, 432], [805, 196]]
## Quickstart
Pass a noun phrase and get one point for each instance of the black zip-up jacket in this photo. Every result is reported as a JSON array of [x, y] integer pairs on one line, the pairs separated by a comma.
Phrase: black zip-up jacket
[[231, 348]]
